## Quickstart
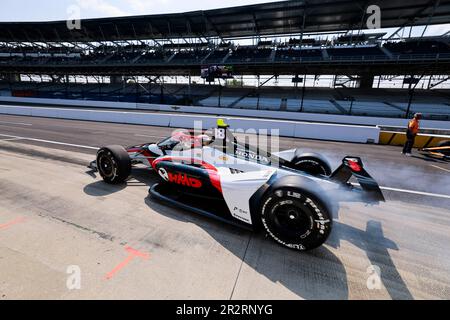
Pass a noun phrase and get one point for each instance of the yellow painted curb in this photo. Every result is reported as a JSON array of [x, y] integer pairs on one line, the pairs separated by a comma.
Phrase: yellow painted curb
[[399, 139]]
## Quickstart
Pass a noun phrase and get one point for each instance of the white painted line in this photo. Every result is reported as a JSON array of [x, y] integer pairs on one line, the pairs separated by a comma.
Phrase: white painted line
[[17, 123], [437, 167], [412, 192], [51, 142], [11, 139], [435, 195]]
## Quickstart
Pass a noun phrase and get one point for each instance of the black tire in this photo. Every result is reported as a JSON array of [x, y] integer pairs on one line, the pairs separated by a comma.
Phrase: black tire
[[296, 218], [113, 164], [312, 163], [445, 143]]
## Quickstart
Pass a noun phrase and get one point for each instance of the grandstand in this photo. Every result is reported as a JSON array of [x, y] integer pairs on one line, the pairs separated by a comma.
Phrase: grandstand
[[133, 59]]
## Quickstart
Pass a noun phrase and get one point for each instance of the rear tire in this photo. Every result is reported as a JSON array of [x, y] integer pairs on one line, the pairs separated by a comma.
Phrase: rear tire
[[445, 143], [312, 163], [114, 164], [296, 218]]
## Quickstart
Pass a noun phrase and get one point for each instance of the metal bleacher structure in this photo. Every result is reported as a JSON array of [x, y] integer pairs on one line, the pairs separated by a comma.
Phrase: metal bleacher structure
[[129, 57]]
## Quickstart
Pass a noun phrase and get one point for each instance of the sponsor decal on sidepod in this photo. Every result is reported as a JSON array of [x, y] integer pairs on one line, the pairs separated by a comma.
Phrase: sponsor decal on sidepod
[[180, 179]]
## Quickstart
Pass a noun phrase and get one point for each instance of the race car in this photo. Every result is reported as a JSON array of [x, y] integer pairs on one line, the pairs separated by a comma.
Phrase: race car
[[287, 194], [441, 151]]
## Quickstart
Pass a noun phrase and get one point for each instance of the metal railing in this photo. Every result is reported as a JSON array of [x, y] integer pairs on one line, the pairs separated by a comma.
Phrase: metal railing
[[249, 61]]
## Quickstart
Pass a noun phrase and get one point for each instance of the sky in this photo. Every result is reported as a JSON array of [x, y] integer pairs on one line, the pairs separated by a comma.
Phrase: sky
[[51, 10]]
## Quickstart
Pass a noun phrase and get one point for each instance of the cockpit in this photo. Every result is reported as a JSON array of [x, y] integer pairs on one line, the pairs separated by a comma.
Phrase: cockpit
[[185, 140]]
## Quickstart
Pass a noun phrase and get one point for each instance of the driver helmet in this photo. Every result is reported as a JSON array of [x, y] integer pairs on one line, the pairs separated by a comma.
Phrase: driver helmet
[[183, 137], [202, 140]]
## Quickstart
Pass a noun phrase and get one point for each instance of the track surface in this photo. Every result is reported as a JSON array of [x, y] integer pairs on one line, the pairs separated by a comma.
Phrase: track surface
[[72, 218]]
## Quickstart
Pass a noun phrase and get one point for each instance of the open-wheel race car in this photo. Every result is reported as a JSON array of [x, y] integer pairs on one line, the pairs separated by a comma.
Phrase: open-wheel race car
[[287, 194]]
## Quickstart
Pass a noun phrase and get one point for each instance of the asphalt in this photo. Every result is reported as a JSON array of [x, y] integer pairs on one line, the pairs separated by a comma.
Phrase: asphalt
[[54, 213], [385, 163]]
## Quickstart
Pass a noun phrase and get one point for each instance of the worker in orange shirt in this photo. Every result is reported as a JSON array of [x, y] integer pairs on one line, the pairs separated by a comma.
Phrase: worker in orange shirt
[[411, 134]]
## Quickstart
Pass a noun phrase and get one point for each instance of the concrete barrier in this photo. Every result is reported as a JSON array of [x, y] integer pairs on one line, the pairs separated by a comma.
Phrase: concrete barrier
[[281, 115], [297, 116], [334, 132], [285, 128], [22, 111], [190, 122], [147, 119]]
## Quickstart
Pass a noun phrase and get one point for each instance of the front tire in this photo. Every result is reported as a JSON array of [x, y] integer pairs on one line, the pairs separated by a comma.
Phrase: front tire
[[114, 164], [296, 218]]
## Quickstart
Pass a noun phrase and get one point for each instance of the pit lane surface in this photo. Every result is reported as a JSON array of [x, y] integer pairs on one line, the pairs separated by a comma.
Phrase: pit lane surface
[[54, 215]]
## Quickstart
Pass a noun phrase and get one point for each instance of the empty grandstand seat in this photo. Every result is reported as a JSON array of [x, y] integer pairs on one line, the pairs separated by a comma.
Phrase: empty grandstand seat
[[190, 56], [124, 57], [423, 47], [357, 53], [292, 54], [152, 57], [250, 54], [217, 56]]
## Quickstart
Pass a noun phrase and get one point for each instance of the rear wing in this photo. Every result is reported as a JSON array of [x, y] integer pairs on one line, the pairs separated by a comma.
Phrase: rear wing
[[354, 167]]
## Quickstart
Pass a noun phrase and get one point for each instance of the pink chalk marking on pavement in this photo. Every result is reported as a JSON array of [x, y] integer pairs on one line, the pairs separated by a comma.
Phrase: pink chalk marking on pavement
[[133, 253], [11, 223]]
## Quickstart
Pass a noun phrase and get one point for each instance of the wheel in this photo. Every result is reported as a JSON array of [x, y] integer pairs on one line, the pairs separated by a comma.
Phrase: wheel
[[312, 163], [114, 164], [296, 218], [445, 143]]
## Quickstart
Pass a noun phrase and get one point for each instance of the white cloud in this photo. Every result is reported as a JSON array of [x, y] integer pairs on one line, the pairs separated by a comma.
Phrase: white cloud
[[145, 6], [101, 7]]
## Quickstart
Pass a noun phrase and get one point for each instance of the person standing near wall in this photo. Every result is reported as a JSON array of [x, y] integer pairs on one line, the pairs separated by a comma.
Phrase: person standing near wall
[[411, 134]]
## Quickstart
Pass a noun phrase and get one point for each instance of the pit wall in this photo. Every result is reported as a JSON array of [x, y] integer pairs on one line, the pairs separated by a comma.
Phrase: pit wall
[[299, 125], [294, 129], [279, 115]]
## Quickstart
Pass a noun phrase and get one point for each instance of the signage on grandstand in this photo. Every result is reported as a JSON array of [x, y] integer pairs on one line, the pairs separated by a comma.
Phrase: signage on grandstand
[[210, 73]]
